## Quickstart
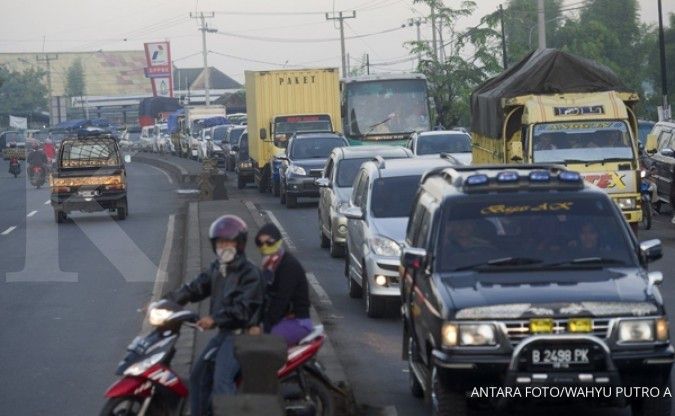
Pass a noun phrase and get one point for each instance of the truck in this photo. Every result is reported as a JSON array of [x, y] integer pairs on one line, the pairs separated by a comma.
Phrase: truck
[[189, 126], [384, 108], [555, 107], [280, 103]]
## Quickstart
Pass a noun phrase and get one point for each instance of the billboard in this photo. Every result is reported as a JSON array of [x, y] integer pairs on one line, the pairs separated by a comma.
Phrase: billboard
[[159, 69]]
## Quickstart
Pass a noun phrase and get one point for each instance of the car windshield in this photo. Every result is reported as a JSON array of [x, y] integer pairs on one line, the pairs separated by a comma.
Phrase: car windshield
[[392, 197], [534, 229], [235, 134], [219, 133], [243, 147], [589, 141], [443, 143], [347, 170], [314, 148], [644, 128], [89, 153]]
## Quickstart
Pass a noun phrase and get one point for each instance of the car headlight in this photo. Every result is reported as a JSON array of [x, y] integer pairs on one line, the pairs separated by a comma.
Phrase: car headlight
[[245, 165], [626, 203], [477, 334], [296, 170], [449, 335], [142, 366], [383, 246], [232, 152], [637, 330], [158, 316]]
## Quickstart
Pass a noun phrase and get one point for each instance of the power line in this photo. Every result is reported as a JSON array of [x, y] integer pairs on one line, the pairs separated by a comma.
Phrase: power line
[[302, 40]]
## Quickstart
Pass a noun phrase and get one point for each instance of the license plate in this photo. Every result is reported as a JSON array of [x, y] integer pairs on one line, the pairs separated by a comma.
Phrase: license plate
[[87, 194], [560, 357]]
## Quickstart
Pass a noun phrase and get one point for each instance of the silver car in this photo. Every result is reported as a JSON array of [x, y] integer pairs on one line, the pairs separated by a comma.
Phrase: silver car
[[377, 217], [336, 187], [432, 143]]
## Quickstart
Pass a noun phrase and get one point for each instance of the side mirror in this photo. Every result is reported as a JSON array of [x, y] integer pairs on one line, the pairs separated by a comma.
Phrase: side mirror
[[651, 249], [322, 182], [127, 158], [413, 258], [655, 278], [263, 134], [667, 152], [235, 148], [351, 212]]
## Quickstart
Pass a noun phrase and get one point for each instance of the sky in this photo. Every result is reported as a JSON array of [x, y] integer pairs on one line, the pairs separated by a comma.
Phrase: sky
[[253, 34]]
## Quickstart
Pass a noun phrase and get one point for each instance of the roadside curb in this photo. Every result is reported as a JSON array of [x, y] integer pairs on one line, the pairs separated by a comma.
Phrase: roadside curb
[[177, 172]]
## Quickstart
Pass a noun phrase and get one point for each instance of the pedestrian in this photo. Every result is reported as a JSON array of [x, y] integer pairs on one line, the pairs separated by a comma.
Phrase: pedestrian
[[236, 290], [286, 311]]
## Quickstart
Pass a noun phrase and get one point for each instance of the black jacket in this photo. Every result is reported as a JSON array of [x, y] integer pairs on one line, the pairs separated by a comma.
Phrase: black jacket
[[236, 299], [37, 158], [288, 293]]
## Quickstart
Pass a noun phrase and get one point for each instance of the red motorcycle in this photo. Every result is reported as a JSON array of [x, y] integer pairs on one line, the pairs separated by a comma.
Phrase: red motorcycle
[[150, 387], [14, 166], [38, 176]]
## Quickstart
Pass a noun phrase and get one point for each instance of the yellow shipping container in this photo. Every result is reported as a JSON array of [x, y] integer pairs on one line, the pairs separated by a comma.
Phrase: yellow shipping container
[[279, 103]]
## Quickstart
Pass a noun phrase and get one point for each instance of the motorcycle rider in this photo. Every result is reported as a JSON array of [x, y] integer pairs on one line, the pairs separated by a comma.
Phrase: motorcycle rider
[[36, 158], [236, 290], [14, 165], [286, 311], [50, 150]]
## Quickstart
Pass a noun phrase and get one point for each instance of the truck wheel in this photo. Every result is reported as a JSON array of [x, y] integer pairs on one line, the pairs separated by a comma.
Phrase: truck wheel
[[444, 400], [241, 183], [60, 216], [653, 406], [374, 305], [275, 188], [291, 201]]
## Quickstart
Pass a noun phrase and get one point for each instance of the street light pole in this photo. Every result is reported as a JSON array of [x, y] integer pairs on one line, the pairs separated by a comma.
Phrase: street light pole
[[662, 55]]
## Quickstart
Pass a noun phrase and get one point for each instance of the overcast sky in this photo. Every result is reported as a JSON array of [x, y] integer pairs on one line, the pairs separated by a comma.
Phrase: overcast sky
[[89, 25]]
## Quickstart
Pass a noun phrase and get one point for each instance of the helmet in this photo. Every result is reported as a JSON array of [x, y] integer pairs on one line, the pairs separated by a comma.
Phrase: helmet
[[34, 146], [229, 227]]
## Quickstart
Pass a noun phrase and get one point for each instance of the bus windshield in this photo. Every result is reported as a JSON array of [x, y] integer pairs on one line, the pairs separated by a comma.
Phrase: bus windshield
[[382, 107], [587, 141]]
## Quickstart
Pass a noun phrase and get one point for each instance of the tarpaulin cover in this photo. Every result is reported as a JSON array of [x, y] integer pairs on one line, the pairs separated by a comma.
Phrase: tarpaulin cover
[[150, 108], [546, 71], [172, 120], [213, 121]]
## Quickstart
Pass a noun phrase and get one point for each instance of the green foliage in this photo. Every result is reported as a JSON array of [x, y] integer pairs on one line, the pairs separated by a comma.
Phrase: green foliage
[[75, 83], [22, 92], [520, 26], [452, 79]]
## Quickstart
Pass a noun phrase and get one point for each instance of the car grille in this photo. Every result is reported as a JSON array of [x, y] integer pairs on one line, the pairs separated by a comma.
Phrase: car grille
[[520, 329]]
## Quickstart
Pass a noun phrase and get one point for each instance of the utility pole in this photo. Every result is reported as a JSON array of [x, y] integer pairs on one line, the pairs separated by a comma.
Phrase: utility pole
[[368, 64], [342, 18], [440, 40], [664, 78], [417, 22], [48, 58], [433, 31], [501, 20], [204, 28], [541, 20]]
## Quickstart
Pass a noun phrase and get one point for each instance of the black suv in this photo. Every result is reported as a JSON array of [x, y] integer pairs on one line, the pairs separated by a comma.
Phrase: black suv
[[526, 277], [90, 176], [305, 158]]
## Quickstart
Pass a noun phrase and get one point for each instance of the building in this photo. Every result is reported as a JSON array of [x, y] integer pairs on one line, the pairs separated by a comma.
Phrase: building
[[188, 85]]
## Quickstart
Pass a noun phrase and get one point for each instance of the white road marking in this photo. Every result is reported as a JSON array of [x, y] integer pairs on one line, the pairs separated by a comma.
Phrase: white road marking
[[9, 230], [48, 202], [162, 276], [168, 177], [323, 296], [30, 214], [284, 234]]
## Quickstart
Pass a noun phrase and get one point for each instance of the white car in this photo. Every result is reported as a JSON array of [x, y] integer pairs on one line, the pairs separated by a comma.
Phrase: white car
[[162, 140], [147, 138], [207, 147], [432, 143]]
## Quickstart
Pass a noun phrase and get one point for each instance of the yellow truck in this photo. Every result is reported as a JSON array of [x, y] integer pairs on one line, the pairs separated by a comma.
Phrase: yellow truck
[[557, 108], [280, 103]]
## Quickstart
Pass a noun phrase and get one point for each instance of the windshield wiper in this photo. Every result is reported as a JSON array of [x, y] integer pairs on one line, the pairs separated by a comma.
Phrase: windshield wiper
[[591, 261], [504, 261]]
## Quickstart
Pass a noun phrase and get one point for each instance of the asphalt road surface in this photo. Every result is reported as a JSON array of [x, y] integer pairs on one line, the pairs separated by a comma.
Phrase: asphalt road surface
[[370, 349], [69, 294]]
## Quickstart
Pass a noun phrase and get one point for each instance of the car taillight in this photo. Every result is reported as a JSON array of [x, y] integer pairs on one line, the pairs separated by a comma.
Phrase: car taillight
[[61, 189], [115, 187]]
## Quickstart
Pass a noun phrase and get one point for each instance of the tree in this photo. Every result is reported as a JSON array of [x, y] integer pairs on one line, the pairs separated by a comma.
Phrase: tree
[[22, 92], [653, 72], [520, 26], [452, 79], [75, 83]]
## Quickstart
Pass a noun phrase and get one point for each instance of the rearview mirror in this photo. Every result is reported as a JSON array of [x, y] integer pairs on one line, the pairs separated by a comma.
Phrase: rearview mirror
[[322, 182], [263, 134], [127, 158], [651, 249], [413, 258], [351, 212]]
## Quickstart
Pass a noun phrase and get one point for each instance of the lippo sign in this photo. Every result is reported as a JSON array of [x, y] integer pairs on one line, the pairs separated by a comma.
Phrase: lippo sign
[[158, 57]]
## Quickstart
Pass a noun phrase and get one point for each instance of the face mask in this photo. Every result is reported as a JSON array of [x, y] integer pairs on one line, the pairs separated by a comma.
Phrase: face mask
[[266, 250], [226, 255]]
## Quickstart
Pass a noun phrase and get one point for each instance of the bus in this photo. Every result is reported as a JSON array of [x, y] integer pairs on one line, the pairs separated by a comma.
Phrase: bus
[[384, 108]]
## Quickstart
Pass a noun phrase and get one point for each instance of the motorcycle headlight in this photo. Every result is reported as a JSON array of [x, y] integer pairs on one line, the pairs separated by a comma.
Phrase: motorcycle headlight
[[383, 246], [296, 170], [643, 173], [626, 203], [157, 317], [142, 366], [637, 330], [477, 334]]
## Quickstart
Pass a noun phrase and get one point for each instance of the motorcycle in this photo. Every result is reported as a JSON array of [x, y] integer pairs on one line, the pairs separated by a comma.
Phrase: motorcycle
[[38, 176], [646, 199], [150, 387], [15, 167]]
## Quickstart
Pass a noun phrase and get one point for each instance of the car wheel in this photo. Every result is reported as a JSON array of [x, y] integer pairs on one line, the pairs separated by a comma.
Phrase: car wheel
[[336, 250], [121, 212], [355, 290], [291, 201], [416, 388], [444, 400], [275, 188], [325, 241], [282, 195], [374, 305]]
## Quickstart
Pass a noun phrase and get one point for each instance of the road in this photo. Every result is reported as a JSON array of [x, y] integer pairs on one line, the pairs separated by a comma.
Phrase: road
[[370, 349], [69, 294]]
